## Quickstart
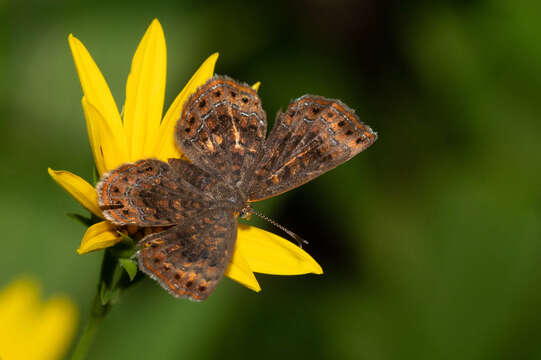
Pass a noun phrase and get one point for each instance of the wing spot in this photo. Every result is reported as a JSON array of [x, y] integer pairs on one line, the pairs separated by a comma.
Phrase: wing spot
[[218, 93], [233, 94], [349, 132], [149, 168], [116, 189], [188, 129], [188, 284], [359, 140], [192, 120], [202, 104], [177, 276], [202, 288], [125, 211], [341, 123], [330, 114], [315, 110], [156, 260], [245, 100]]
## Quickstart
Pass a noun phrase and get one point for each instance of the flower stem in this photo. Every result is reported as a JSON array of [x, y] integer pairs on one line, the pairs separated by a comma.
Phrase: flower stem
[[97, 314], [99, 310]]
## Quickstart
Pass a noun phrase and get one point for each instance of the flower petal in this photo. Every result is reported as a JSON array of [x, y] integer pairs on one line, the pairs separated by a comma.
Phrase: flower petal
[[239, 270], [82, 191], [19, 306], [145, 92], [94, 86], [256, 86], [54, 329], [108, 152], [166, 146], [99, 236], [270, 254], [92, 128], [32, 329], [16, 302]]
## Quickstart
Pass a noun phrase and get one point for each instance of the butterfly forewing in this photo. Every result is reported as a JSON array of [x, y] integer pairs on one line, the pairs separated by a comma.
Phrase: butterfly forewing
[[312, 136], [149, 193], [188, 260], [222, 129]]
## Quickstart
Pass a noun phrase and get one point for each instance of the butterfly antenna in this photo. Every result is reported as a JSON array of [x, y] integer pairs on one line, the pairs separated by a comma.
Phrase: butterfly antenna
[[297, 238]]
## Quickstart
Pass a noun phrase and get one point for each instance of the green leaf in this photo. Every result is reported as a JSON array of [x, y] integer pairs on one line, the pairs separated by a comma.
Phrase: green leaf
[[130, 266]]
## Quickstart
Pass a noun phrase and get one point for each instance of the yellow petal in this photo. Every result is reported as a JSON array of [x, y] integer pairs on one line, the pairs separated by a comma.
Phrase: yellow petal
[[270, 254], [19, 307], [94, 86], [239, 270], [109, 151], [145, 92], [16, 300], [166, 146], [256, 86], [92, 128], [82, 191], [99, 236], [54, 329], [33, 330]]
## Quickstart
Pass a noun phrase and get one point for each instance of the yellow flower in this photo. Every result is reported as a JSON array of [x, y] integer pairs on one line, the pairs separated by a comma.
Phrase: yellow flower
[[143, 134], [31, 329]]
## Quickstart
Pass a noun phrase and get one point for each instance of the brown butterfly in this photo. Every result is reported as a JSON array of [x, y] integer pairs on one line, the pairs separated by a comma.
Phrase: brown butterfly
[[222, 131]]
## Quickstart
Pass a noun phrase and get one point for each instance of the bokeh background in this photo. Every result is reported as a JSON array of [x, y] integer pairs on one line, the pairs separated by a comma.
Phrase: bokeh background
[[430, 240]]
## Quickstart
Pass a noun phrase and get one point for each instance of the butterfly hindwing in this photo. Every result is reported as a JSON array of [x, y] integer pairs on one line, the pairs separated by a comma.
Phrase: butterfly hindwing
[[210, 185], [313, 136], [188, 260], [149, 193], [222, 129]]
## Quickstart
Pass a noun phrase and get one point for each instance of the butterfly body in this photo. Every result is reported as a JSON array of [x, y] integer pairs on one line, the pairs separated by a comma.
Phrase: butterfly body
[[222, 131]]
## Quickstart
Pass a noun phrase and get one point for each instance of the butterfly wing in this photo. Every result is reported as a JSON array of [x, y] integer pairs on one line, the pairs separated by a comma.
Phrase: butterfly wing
[[313, 136], [222, 129], [151, 193], [189, 259]]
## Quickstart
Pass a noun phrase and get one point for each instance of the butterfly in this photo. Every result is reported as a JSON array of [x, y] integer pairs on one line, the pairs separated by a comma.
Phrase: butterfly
[[222, 130]]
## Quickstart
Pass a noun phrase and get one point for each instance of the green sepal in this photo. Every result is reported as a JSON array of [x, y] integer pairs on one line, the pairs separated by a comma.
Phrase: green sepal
[[130, 266], [108, 295], [86, 221], [111, 274], [81, 219], [124, 249], [126, 239]]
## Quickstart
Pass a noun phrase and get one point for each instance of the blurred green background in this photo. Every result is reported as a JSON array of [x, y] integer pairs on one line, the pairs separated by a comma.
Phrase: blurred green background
[[430, 240]]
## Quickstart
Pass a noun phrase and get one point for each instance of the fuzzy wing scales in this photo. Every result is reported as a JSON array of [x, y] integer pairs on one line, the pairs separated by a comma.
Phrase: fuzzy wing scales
[[188, 260], [149, 193], [222, 129], [313, 136]]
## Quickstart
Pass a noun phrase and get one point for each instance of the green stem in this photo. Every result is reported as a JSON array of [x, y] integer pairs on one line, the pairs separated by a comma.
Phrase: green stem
[[98, 312], [97, 315]]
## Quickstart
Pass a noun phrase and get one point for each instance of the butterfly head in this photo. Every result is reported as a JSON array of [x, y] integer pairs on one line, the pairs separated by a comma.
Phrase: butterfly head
[[246, 212]]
